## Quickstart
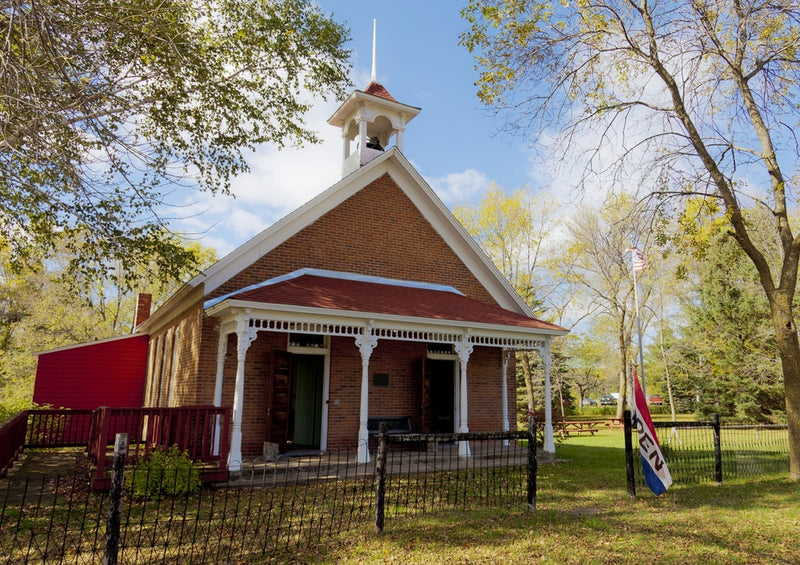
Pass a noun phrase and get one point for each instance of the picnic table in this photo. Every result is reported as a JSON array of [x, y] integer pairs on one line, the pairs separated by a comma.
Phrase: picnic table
[[615, 423], [579, 427]]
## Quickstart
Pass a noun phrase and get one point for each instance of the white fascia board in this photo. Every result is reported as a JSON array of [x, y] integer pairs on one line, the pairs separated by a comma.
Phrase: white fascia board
[[185, 297], [350, 106], [420, 193], [261, 244], [90, 343], [467, 249], [228, 310]]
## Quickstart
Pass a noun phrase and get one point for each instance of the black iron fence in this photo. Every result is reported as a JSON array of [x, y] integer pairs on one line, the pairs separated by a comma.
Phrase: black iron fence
[[698, 452], [267, 509]]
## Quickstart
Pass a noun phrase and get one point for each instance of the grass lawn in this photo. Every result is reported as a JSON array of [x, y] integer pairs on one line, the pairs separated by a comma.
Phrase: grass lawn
[[584, 515]]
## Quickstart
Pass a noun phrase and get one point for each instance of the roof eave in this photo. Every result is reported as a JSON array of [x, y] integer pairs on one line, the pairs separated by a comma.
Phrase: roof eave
[[349, 106], [229, 309]]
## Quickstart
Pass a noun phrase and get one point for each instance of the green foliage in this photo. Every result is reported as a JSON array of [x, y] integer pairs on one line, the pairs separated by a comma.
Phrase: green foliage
[[165, 473], [511, 228], [43, 308], [727, 360], [680, 99], [108, 108]]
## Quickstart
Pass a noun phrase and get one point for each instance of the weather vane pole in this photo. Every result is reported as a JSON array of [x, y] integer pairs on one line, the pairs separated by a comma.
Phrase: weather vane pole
[[374, 41]]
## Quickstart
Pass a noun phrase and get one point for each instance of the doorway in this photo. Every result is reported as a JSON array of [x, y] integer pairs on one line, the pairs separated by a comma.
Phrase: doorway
[[305, 412], [443, 401]]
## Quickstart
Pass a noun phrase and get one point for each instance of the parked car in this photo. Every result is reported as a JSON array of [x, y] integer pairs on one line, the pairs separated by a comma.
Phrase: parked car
[[589, 401], [655, 399], [608, 400]]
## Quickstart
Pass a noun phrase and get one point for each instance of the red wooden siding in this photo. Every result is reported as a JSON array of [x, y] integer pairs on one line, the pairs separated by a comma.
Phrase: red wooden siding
[[107, 373]]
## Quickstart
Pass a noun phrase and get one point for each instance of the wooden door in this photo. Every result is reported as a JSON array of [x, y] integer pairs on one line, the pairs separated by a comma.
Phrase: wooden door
[[278, 410]]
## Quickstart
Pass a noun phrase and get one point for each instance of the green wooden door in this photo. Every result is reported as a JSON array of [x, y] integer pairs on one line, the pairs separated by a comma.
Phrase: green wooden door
[[307, 383]]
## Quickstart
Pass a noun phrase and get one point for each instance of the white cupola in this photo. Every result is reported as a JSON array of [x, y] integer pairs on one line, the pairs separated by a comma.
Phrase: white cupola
[[369, 119]]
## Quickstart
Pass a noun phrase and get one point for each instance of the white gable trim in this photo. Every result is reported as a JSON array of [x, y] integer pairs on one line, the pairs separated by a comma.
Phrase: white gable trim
[[333, 275], [414, 186]]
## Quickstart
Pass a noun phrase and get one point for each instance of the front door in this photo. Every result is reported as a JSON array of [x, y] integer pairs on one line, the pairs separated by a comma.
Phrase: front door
[[305, 416], [278, 410], [442, 382]]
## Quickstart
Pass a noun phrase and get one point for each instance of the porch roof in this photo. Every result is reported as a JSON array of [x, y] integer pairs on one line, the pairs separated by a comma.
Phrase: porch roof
[[342, 293]]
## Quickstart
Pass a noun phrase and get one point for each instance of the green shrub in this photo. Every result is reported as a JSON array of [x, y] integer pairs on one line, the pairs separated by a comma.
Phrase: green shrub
[[165, 473]]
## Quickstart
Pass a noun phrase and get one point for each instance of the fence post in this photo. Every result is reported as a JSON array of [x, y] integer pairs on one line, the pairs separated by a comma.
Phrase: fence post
[[532, 463], [115, 499], [629, 454], [717, 451], [380, 478]]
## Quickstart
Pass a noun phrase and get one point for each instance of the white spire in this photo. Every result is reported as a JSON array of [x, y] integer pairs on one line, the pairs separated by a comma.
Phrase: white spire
[[374, 76]]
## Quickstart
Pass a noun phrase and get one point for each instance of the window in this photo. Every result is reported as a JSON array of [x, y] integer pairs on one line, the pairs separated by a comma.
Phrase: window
[[308, 343]]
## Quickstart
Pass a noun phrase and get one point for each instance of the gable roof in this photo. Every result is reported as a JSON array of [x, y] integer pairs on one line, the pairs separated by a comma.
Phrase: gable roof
[[345, 293], [393, 163]]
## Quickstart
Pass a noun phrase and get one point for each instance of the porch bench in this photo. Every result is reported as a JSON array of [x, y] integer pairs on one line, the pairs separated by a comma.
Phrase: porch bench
[[394, 424]]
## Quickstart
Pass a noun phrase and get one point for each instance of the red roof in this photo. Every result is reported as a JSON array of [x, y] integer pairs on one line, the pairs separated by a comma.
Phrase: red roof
[[378, 90], [387, 298]]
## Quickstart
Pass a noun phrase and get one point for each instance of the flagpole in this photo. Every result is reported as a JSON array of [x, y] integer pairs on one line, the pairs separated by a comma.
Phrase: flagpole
[[638, 320]]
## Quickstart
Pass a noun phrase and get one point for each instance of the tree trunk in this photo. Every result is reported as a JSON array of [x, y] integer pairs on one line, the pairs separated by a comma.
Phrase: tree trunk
[[664, 360], [789, 348], [526, 373], [623, 373]]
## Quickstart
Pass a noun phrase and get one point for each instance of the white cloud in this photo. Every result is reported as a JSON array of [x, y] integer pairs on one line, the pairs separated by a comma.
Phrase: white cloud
[[458, 188]]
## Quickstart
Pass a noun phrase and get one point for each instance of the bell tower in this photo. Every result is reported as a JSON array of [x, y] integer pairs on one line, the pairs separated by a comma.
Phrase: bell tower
[[369, 119]]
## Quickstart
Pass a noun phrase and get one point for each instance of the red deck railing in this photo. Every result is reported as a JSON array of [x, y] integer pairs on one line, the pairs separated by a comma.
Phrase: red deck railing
[[12, 441], [202, 431]]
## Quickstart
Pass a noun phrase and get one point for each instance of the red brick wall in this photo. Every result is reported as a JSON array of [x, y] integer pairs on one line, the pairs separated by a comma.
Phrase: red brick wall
[[377, 232]]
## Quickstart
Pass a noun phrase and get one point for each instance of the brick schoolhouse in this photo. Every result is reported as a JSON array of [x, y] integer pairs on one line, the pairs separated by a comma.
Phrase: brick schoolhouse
[[369, 301]]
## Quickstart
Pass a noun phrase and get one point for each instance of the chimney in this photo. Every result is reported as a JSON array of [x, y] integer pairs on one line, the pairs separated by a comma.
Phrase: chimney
[[143, 302]]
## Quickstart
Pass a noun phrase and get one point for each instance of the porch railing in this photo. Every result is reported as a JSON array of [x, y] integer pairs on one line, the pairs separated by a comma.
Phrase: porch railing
[[202, 431], [12, 441]]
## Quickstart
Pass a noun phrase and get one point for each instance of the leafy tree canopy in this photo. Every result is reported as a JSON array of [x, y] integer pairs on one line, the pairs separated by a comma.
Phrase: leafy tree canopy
[[106, 107], [41, 309], [682, 98]]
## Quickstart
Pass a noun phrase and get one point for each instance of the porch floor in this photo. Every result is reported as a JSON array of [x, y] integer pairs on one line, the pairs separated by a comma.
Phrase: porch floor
[[300, 468]]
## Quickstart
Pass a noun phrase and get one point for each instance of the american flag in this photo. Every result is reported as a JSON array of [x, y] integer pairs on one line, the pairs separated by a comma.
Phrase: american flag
[[638, 260]]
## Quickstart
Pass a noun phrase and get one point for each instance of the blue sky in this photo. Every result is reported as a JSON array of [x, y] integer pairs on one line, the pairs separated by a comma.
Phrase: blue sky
[[453, 142]]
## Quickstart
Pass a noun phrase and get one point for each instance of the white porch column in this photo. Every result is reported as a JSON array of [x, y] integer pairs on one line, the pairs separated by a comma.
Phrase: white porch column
[[549, 444], [464, 350], [222, 350], [504, 353], [366, 343], [245, 336]]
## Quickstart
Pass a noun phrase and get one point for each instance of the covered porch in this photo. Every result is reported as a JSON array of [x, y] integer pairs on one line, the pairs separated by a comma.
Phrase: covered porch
[[313, 310]]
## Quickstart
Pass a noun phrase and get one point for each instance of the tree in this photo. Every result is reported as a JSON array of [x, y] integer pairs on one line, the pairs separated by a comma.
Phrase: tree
[[512, 229], [596, 264], [42, 309], [698, 98], [727, 336], [586, 356], [108, 108]]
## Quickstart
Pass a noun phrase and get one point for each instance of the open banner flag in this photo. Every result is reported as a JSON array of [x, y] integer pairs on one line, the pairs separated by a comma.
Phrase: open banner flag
[[654, 467]]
